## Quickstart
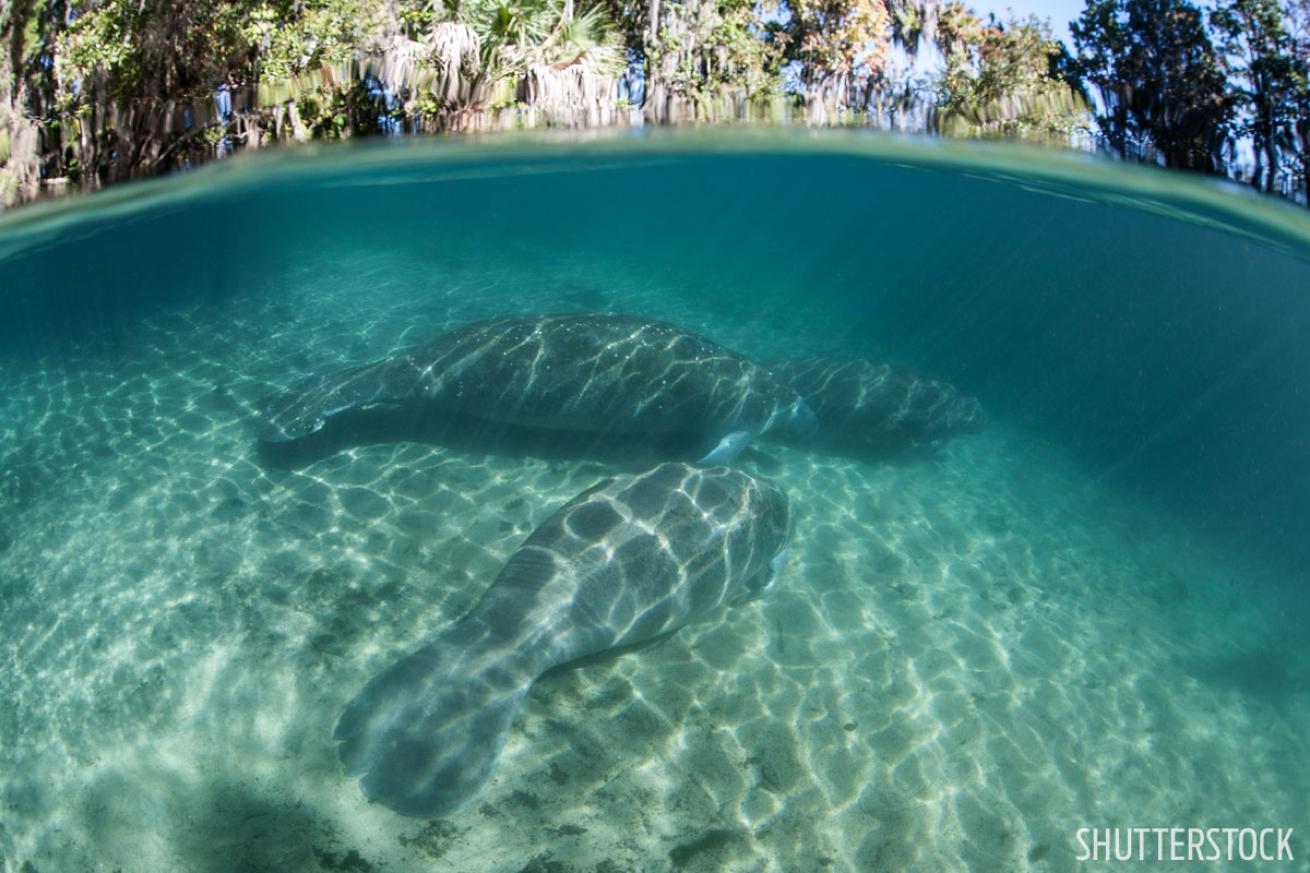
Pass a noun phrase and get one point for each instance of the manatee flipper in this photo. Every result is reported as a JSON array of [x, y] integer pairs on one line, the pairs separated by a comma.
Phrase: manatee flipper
[[729, 447], [428, 730], [776, 565], [763, 583], [306, 406]]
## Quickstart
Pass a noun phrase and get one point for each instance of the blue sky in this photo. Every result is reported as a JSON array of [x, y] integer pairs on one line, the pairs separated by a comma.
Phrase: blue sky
[[1060, 12]]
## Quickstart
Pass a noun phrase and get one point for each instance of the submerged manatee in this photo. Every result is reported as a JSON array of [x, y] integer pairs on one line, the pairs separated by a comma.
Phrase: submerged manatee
[[634, 557], [862, 403], [577, 373]]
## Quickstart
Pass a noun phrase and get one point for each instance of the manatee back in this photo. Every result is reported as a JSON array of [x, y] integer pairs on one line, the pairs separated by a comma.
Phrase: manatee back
[[646, 553], [595, 372]]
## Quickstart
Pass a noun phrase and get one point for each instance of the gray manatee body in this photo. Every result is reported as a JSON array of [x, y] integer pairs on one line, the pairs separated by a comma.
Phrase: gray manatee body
[[632, 558], [861, 403], [586, 373]]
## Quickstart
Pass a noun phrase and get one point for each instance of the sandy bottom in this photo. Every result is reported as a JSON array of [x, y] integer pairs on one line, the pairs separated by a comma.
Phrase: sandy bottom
[[972, 653]]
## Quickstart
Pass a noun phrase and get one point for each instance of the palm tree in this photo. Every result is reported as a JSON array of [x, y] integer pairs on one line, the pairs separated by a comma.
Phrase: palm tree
[[478, 56]]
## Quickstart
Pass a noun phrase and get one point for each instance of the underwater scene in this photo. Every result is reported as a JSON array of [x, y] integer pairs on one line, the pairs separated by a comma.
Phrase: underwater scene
[[677, 502]]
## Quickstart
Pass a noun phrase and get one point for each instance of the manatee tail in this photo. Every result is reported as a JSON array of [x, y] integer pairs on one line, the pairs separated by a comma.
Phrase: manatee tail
[[307, 405], [426, 732]]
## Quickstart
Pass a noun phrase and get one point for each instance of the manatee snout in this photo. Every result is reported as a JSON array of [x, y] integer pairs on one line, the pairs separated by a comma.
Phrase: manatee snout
[[966, 416]]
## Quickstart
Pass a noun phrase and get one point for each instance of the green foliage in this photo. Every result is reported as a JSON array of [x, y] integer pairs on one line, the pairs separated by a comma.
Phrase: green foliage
[[703, 59], [1008, 81], [476, 53], [503, 95], [127, 50], [101, 90], [415, 19], [428, 106], [8, 188], [290, 38], [338, 112], [838, 39]]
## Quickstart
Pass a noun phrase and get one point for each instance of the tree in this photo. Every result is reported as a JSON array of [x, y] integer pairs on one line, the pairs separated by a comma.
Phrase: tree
[[1006, 80], [1159, 78], [95, 91], [135, 74], [29, 120], [914, 23], [701, 60], [459, 62], [838, 44], [1297, 14], [1262, 71]]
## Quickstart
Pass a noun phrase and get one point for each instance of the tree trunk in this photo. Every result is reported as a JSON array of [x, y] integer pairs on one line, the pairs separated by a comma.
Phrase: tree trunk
[[20, 168], [1303, 137], [1258, 171], [654, 106], [1271, 154]]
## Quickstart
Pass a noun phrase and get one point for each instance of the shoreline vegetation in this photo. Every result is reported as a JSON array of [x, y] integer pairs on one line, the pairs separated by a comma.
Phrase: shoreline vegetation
[[94, 93]]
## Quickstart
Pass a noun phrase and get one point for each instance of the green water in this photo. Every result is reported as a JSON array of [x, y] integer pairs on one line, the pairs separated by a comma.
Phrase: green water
[[1090, 615]]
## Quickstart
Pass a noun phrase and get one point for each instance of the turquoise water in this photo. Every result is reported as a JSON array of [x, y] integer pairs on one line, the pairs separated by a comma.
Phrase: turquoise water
[[1092, 614]]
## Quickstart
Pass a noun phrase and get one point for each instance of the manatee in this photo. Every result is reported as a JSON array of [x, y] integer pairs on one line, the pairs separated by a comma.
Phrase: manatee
[[585, 374], [866, 404], [635, 557]]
